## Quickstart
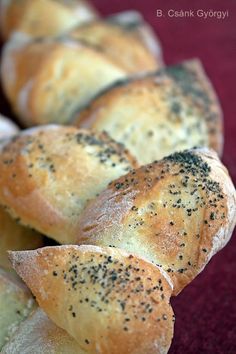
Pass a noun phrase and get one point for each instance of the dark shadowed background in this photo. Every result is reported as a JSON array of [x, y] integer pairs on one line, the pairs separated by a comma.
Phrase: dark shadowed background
[[206, 309]]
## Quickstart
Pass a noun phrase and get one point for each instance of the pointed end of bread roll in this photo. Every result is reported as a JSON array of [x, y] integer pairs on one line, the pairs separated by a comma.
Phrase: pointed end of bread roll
[[105, 298], [24, 263]]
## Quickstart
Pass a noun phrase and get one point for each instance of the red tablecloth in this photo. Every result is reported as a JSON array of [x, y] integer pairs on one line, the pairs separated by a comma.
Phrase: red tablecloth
[[206, 309]]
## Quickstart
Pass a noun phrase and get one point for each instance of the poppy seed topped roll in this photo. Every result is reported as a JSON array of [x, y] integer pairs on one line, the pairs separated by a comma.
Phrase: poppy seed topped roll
[[157, 114], [49, 173], [108, 300], [176, 212]]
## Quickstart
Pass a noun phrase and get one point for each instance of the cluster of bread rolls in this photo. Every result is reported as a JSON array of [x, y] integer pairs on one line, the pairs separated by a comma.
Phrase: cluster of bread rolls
[[108, 170], [51, 78], [146, 236], [43, 18]]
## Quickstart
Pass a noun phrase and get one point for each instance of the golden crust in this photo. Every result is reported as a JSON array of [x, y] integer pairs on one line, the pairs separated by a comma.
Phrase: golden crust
[[16, 303], [177, 213], [35, 17], [167, 111], [49, 173], [15, 237], [122, 46], [108, 300], [60, 76], [38, 334]]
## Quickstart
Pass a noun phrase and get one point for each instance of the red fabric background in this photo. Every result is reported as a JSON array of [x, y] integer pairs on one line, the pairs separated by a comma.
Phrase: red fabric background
[[206, 309]]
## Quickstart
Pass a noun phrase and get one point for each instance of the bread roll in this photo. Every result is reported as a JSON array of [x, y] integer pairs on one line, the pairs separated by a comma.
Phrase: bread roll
[[39, 335], [7, 128], [16, 303], [167, 111], [43, 18], [47, 80], [134, 22], [108, 300], [120, 44], [49, 173], [15, 237], [63, 74], [177, 212]]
